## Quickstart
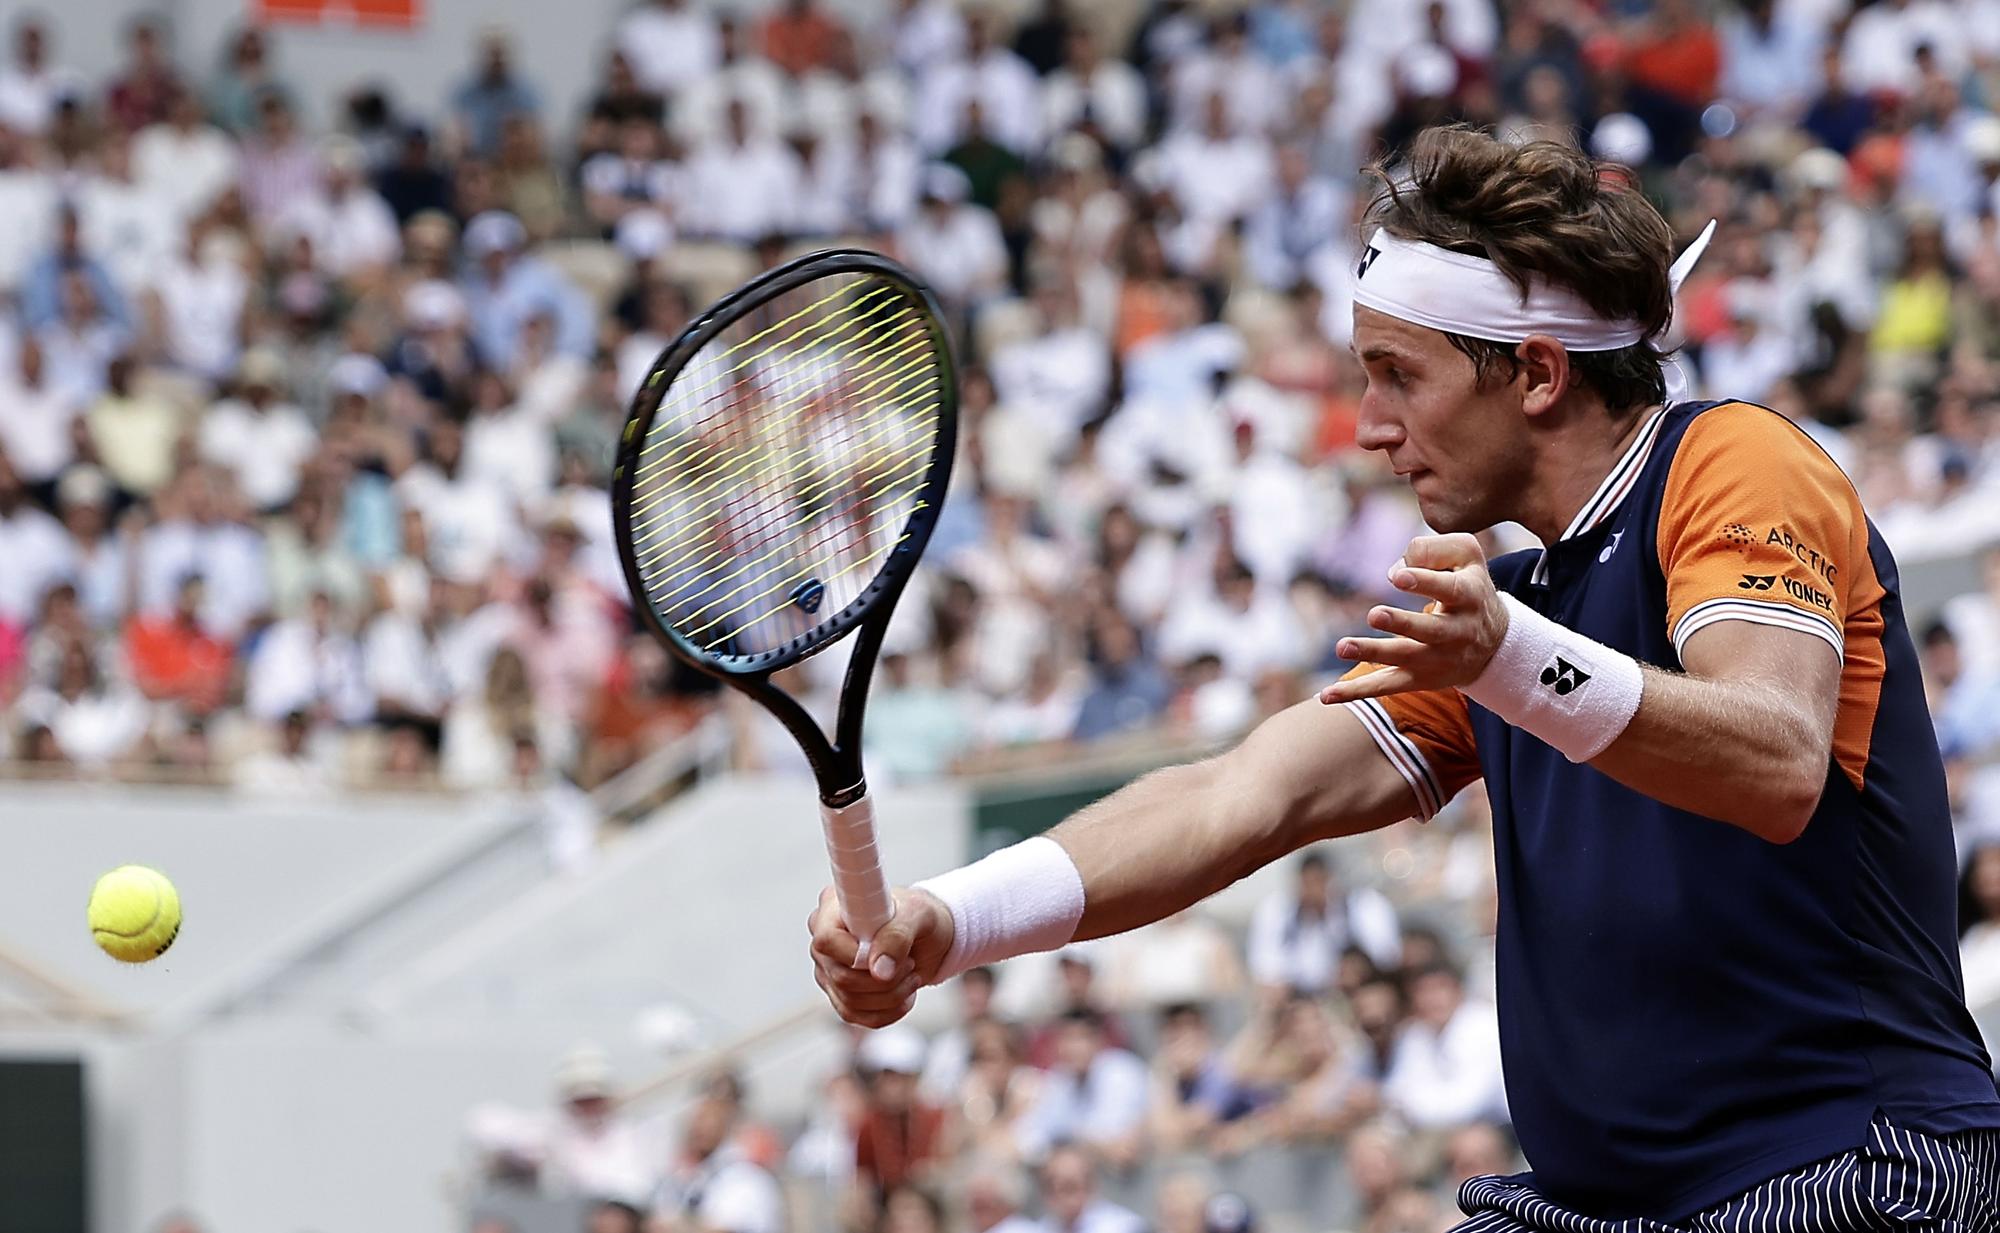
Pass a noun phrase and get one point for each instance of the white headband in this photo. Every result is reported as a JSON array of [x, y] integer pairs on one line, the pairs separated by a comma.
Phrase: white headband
[[1462, 294]]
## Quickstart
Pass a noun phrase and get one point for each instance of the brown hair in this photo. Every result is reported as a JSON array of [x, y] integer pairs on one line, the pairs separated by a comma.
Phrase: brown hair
[[1541, 209]]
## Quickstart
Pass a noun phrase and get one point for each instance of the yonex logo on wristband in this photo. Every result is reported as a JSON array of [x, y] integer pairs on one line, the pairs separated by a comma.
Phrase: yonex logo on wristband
[[1564, 677]]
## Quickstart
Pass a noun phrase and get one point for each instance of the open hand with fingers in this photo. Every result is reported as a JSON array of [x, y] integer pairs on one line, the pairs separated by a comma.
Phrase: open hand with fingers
[[1445, 646], [903, 956]]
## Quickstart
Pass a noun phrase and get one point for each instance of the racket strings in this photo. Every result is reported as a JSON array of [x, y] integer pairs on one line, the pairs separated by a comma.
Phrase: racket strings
[[778, 573], [783, 480]]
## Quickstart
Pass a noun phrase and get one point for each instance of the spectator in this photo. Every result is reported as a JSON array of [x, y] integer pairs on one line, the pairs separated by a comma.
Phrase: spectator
[[505, 288], [413, 184], [1979, 934], [1070, 1202], [259, 439], [799, 37], [306, 663], [1446, 1066], [993, 1199], [1193, 1090], [710, 1186], [1297, 937], [37, 429], [1002, 82], [280, 168], [1089, 87], [902, 1139], [1128, 690], [949, 1055], [670, 44], [93, 720], [353, 231], [294, 769], [42, 290], [175, 659], [592, 1150], [1096, 1095], [741, 184], [491, 96], [145, 93], [183, 159], [30, 87]]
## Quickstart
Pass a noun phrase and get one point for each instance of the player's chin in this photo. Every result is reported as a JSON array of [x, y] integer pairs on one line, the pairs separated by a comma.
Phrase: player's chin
[[1443, 512]]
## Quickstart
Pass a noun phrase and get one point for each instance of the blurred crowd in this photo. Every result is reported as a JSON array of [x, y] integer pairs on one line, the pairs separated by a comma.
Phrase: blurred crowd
[[1331, 1066], [307, 405]]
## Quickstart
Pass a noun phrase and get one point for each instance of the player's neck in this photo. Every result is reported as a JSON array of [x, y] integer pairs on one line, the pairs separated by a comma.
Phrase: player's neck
[[1571, 463]]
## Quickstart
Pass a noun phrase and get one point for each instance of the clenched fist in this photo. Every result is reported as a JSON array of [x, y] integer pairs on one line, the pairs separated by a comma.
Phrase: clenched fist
[[904, 956]]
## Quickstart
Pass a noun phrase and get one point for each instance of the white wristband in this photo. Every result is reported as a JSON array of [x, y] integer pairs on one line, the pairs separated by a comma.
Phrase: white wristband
[[1017, 901], [1551, 682]]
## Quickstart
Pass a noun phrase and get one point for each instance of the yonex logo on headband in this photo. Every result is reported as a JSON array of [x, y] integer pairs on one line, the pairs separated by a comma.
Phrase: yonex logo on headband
[[1460, 293]]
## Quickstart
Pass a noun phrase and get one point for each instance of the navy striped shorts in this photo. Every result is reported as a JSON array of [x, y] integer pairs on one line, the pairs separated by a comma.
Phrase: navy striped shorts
[[1901, 1182]]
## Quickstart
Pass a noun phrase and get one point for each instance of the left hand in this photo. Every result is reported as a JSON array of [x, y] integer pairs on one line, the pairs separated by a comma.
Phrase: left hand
[[1447, 645]]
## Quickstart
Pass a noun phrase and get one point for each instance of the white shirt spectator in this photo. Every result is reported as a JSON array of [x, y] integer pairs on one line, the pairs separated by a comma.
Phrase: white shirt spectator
[[1748, 363], [74, 359], [958, 249], [27, 220], [1291, 225], [1216, 179], [35, 428], [740, 192], [653, 182], [1100, 1215], [130, 226], [1274, 516], [1360, 94], [1008, 94], [826, 186], [509, 449], [351, 232], [404, 666], [96, 727], [614, 1157], [1772, 68], [297, 667], [670, 45], [1058, 378], [264, 449], [188, 167], [1296, 951], [1253, 95], [1248, 641], [751, 80], [928, 32], [1106, 1103], [38, 554], [1879, 51], [228, 556], [28, 98], [203, 306], [888, 174], [1111, 91], [469, 522], [1439, 1079], [726, 1193]]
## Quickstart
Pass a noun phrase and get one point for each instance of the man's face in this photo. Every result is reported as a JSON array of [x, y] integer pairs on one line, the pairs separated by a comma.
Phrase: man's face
[[1434, 998], [1465, 451], [1066, 1186], [707, 1127], [1312, 886], [1076, 1047]]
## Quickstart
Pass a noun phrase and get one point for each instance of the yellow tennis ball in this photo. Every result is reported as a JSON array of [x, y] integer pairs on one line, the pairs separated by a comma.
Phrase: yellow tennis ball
[[135, 913]]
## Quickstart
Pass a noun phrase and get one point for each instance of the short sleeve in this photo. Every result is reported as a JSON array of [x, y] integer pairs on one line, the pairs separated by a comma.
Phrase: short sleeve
[[1757, 524], [1427, 737]]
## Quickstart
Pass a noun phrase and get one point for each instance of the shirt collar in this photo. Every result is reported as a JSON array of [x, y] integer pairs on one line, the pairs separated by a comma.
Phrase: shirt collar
[[1610, 494]]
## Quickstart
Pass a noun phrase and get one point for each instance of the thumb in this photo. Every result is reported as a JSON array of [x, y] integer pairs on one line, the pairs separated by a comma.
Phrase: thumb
[[889, 949]]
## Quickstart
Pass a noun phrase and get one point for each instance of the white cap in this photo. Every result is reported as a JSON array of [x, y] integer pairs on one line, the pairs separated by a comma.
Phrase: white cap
[[644, 234], [82, 485], [1426, 71], [1819, 168], [433, 305], [1982, 139], [260, 366], [897, 1049], [1622, 137], [585, 1072], [946, 183], [355, 373], [493, 232]]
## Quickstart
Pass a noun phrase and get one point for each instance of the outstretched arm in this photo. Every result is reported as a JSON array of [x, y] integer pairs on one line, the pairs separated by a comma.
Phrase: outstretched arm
[[1150, 849]]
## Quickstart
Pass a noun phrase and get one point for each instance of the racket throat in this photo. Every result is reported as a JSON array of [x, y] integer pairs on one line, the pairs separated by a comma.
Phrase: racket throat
[[844, 797]]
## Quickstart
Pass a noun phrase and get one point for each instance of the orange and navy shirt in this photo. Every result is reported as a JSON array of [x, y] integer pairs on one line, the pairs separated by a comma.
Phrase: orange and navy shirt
[[1685, 1009]]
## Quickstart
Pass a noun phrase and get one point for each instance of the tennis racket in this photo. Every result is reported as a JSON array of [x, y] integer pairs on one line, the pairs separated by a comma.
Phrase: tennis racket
[[779, 474]]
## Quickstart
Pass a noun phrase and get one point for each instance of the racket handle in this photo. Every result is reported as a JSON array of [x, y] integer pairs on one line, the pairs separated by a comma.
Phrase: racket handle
[[865, 903]]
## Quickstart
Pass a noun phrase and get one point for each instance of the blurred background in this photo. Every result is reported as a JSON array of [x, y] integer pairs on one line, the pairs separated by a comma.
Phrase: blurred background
[[319, 320]]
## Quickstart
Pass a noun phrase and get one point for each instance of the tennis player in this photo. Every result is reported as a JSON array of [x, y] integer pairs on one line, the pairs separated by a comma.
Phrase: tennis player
[[1728, 979]]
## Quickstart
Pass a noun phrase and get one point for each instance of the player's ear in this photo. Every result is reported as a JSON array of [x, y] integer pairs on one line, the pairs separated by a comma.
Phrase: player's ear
[[1543, 373]]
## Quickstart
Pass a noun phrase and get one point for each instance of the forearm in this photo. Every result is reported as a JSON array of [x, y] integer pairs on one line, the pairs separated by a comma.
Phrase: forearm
[[1164, 842], [1737, 751]]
